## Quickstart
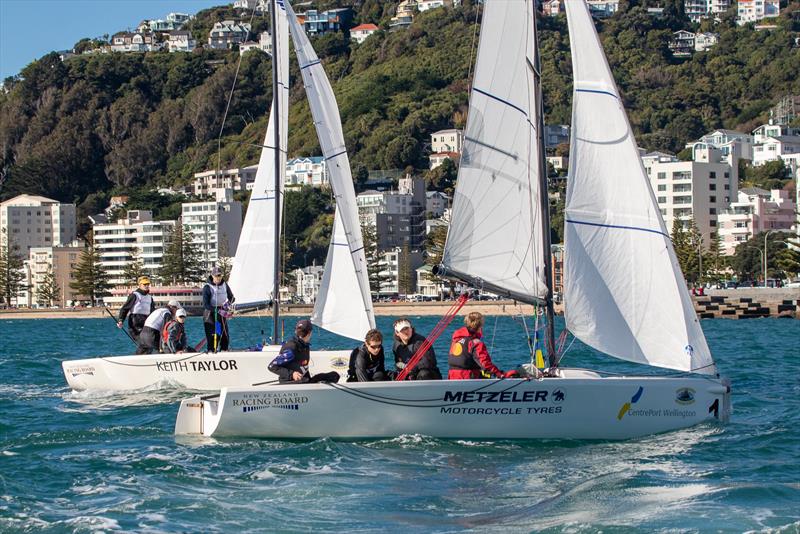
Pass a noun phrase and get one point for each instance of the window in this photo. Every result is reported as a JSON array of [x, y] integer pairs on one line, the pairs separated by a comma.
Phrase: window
[[727, 187], [712, 200], [662, 187], [712, 211], [712, 175], [712, 187], [662, 176], [712, 222]]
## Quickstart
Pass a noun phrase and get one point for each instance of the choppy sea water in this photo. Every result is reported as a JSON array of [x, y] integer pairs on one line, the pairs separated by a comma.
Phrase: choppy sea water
[[82, 462]]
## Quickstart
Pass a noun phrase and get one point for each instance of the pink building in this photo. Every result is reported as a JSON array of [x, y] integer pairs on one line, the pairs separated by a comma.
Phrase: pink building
[[755, 211]]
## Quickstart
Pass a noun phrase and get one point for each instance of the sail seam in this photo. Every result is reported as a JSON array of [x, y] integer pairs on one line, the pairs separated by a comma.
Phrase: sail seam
[[317, 62], [596, 91], [622, 227], [506, 102], [336, 155]]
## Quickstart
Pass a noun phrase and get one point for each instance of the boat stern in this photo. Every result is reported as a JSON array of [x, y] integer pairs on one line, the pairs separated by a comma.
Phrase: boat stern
[[198, 415], [83, 374]]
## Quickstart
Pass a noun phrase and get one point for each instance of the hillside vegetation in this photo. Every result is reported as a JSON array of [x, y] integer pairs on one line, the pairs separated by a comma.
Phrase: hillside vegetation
[[83, 127]]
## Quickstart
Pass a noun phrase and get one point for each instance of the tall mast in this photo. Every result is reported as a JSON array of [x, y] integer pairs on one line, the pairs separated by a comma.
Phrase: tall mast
[[544, 203], [277, 143]]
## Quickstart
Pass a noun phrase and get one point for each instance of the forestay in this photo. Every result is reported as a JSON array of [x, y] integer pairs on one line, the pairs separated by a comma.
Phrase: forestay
[[325, 111], [624, 291], [495, 232], [252, 275]]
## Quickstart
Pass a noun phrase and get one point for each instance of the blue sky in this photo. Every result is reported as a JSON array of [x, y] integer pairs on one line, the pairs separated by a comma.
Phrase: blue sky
[[31, 28]]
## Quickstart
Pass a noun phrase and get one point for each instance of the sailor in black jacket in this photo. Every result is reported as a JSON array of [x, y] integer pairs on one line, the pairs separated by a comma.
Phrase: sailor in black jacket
[[406, 344], [139, 305], [367, 361], [291, 363]]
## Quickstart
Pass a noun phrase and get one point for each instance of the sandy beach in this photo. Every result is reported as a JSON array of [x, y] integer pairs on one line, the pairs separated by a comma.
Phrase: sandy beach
[[491, 307]]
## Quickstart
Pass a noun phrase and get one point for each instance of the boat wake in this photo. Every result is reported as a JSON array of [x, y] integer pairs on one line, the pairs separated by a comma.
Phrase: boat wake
[[166, 391]]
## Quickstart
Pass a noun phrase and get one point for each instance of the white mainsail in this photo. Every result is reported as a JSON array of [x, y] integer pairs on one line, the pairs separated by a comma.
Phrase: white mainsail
[[253, 272], [624, 291], [339, 292], [495, 233], [335, 309]]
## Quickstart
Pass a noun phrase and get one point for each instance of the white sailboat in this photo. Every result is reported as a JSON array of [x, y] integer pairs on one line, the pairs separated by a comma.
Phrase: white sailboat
[[344, 305], [625, 294]]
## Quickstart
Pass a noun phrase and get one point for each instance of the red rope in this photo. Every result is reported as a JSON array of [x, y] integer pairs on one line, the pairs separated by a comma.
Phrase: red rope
[[440, 327]]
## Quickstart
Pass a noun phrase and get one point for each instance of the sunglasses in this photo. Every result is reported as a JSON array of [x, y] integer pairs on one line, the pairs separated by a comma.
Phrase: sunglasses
[[375, 347]]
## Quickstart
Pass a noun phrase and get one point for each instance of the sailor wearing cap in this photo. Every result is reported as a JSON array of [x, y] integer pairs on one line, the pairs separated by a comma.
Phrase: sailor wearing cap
[[138, 306], [217, 307], [291, 363], [173, 338], [406, 343], [149, 339]]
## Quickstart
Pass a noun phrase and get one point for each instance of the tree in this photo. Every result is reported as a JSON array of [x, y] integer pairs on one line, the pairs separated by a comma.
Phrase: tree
[[714, 261], [434, 244], [134, 269], [405, 275], [12, 275], [182, 263], [748, 261], [48, 291], [224, 259], [374, 258], [687, 243], [91, 280]]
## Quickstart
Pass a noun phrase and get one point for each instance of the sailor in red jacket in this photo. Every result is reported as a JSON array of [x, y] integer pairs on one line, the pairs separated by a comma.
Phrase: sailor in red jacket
[[468, 355]]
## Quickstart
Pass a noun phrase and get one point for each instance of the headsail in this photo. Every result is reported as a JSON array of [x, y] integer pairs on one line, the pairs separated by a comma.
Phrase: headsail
[[329, 130], [252, 274], [624, 291], [495, 235]]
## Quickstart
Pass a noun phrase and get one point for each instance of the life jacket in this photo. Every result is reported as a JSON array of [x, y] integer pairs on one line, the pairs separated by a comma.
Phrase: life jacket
[[157, 319], [165, 331], [219, 294], [143, 304], [372, 366], [462, 352]]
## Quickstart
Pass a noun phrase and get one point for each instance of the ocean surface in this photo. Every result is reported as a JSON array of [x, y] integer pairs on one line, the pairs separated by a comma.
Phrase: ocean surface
[[78, 462]]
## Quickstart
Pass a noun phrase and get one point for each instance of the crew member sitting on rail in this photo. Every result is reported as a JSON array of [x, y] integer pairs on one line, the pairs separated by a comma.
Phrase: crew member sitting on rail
[[173, 338], [291, 363], [367, 361], [406, 343], [468, 355], [139, 305], [150, 338]]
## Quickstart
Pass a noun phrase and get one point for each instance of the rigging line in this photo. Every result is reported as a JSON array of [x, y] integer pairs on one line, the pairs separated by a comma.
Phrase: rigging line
[[408, 402], [230, 97], [472, 46], [619, 226]]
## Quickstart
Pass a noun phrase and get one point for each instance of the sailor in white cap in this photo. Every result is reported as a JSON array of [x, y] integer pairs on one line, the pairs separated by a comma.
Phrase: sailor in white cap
[[173, 339], [150, 338]]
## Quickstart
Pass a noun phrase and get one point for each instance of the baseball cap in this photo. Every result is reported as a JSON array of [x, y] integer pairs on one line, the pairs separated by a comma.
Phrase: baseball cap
[[180, 313], [216, 271], [174, 303], [401, 324], [144, 280], [304, 324]]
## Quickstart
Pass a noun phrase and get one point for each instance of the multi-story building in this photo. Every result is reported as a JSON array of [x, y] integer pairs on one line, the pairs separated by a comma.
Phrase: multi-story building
[[307, 282], [704, 41], [445, 144], [682, 43], [785, 147], [436, 203], [429, 285], [209, 182], [174, 21], [732, 145], [756, 211], [264, 44], [137, 235], [603, 8], [404, 15], [698, 9], [425, 5], [260, 6], [551, 8], [224, 35], [143, 41], [33, 221], [766, 131], [180, 41], [397, 216], [392, 261], [312, 170], [214, 226], [59, 260], [697, 190], [755, 10], [317, 22], [360, 33], [555, 134]]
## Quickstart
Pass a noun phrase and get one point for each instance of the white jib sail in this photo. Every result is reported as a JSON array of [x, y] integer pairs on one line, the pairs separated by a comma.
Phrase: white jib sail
[[329, 130], [253, 271], [624, 291], [337, 308], [495, 232]]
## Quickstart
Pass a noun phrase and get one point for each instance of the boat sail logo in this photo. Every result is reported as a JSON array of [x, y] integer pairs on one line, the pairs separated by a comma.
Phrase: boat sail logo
[[627, 405], [684, 396]]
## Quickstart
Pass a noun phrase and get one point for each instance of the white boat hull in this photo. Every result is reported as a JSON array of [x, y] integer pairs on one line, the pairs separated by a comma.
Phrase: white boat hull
[[199, 371], [581, 405]]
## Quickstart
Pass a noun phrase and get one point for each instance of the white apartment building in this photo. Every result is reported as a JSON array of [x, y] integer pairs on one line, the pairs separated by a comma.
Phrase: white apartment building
[[704, 41], [732, 145], [61, 261], [209, 182], [227, 33], [214, 226], [692, 189], [755, 211], [766, 131], [698, 9], [307, 282], [785, 147], [263, 44], [447, 141], [33, 221], [425, 5], [755, 10], [312, 170], [137, 234], [181, 41], [429, 285]]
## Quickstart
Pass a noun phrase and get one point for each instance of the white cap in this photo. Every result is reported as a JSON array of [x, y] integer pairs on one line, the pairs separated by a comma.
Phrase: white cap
[[180, 313], [401, 324], [174, 303]]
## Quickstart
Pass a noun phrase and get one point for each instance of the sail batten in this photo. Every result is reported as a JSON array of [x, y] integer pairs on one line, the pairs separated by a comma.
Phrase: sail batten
[[344, 301], [253, 271], [495, 235], [624, 291]]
